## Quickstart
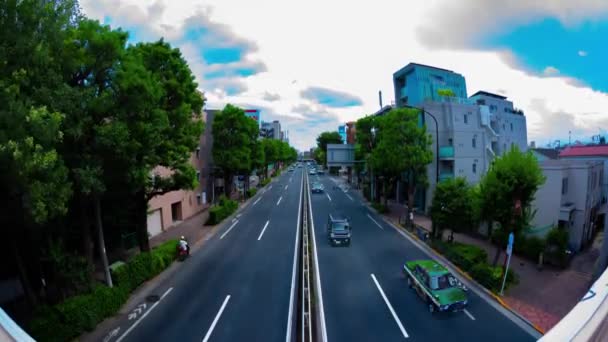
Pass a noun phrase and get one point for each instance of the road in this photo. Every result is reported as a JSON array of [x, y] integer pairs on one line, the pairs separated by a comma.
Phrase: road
[[238, 286], [365, 296]]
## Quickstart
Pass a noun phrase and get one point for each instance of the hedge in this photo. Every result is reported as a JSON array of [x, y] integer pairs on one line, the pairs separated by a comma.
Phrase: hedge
[[464, 256], [381, 208], [222, 210], [265, 181], [491, 277], [251, 192], [75, 315]]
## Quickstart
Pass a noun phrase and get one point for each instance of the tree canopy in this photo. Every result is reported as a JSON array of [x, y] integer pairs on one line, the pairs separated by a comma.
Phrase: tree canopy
[[322, 140], [452, 206]]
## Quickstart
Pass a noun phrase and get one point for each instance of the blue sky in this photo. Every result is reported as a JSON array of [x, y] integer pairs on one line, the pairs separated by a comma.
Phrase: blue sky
[[579, 51], [327, 74]]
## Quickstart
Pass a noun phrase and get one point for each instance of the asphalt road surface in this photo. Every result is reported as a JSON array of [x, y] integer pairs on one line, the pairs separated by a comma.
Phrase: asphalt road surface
[[238, 287]]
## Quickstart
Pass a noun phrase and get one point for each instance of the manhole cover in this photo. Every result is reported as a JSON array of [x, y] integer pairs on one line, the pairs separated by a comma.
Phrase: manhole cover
[[152, 298]]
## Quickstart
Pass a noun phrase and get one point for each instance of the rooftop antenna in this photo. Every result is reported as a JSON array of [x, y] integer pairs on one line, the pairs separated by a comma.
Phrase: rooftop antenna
[[380, 97]]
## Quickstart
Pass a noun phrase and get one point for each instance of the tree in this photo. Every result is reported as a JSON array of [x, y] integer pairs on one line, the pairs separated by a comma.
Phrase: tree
[[157, 122], [452, 207], [402, 147], [234, 130], [322, 140], [508, 188], [365, 142], [270, 152]]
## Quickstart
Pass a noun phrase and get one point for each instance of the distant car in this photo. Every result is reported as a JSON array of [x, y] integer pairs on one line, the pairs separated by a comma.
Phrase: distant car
[[312, 172], [290, 169], [441, 290], [338, 230], [320, 172], [299, 166], [317, 188]]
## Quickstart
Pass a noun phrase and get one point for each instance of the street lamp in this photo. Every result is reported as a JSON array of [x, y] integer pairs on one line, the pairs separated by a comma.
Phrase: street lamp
[[373, 130], [436, 139]]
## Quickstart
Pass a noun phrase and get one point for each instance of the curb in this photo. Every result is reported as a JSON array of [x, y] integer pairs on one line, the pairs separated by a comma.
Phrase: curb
[[463, 273]]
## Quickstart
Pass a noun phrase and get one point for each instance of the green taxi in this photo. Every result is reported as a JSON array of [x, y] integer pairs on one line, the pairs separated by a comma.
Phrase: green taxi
[[441, 290]]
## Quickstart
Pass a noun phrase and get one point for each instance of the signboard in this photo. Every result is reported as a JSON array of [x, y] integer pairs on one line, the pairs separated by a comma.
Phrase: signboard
[[253, 113], [510, 245]]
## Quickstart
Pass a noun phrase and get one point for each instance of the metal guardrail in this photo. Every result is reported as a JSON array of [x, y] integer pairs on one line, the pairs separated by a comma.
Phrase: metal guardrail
[[306, 324]]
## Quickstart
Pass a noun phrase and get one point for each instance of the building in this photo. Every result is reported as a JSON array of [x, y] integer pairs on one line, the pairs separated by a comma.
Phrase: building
[[276, 130], [266, 130], [342, 132], [351, 132], [418, 83], [176, 206], [254, 114], [471, 131], [543, 154], [590, 152], [571, 199]]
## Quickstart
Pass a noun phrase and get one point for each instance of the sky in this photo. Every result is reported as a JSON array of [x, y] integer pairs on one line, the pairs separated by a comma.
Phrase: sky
[[317, 64]]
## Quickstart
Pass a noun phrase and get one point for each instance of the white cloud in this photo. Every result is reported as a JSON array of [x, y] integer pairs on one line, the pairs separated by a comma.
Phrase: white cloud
[[582, 53], [359, 58], [550, 71]]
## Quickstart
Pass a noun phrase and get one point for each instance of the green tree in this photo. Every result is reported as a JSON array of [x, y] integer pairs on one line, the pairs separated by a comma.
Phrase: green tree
[[507, 189], [271, 152], [235, 131], [446, 92], [402, 147], [365, 142], [322, 140], [452, 207]]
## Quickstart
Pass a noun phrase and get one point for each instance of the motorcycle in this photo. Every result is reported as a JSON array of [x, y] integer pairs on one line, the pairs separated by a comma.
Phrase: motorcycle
[[182, 252]]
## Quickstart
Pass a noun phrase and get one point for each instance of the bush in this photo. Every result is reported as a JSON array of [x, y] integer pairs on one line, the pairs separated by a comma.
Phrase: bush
[[251, 192], [381, 208], [557, 246], [75, 315], [531, 247], [462, 255], [222, 210], [491, 277], [265, 181]]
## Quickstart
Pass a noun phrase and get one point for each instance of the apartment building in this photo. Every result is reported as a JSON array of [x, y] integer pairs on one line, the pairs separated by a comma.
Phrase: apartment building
[[174, 207], [571, 198]]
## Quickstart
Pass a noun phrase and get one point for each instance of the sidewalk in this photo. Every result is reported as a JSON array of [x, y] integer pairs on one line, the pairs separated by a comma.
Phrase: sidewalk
[[193, 229], [543, 297]]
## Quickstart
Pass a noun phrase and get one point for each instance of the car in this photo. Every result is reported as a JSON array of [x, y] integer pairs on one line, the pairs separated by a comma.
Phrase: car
[[434, 283], [317, 188], [291, 169], [338, 230], [320, 172], [312, 172]]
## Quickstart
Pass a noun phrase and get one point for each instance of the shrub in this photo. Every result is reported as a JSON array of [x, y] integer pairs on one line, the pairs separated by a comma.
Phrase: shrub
[[265, 181], [251, 192], [491, 277], [70, 318], [381, 208], [557, 245], [462, 255], [223, 209], [532, 247]]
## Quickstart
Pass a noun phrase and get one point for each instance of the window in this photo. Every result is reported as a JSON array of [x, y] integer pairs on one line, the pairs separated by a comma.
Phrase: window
[[198, 175], [474, 142], [564, 186], [511, 127], [198, 200], [466, 119], [503, 127], [450, 142], [198, 152], [474, 168]]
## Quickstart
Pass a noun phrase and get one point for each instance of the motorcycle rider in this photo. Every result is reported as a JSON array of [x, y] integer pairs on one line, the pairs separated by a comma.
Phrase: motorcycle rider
[[183, 244]]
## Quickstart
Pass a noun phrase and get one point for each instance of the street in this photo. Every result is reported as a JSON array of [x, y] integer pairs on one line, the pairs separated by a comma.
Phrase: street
[[239, 286]]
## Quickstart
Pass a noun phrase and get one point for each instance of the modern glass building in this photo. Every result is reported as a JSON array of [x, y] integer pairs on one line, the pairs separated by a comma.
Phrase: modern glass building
[[342, 132], [416, 83]]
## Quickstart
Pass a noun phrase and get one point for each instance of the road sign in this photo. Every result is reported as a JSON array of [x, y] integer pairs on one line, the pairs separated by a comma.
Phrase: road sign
[[509, 251], [511, 239]]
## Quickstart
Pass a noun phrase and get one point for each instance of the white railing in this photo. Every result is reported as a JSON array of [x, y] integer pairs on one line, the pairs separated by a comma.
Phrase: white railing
[[588, 320], [10, 331]]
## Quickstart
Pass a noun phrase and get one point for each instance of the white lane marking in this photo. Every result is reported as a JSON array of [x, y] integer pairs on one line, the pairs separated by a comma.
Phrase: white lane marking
[[293, 269], [328, 196], [234, 219], [318, 277], [229, 229], [279, 201], [349, 196], [263, 230], [286, 186], [144, 315], [238, 215], [270, 187], [217, 318], [377, 224], [469, 314], [256, 201], [390, 307]]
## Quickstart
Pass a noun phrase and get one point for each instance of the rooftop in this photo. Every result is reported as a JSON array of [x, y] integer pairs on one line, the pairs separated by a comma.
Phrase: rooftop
[[550, 153], [431, 266], [413, 65], [568, 163], [585, 151], [486, 93]]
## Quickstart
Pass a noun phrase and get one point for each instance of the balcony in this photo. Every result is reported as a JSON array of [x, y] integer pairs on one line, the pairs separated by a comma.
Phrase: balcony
[[445, 175], [446, 152]]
